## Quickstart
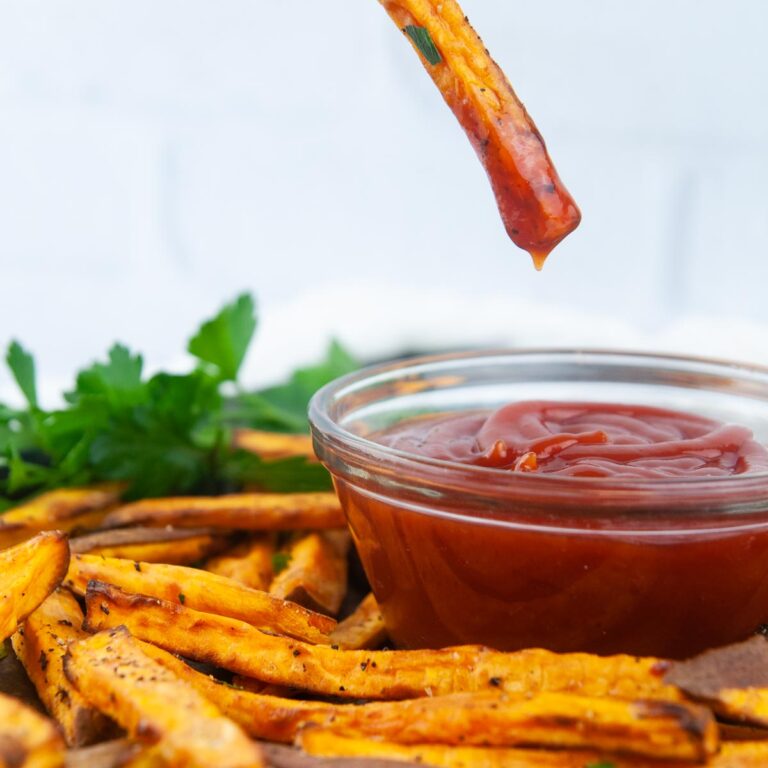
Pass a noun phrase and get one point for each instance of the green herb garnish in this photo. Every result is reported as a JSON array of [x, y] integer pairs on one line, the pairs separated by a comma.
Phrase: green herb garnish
[[182, 598], [280, 561], [603, 764], [423, 41], [163, 434]]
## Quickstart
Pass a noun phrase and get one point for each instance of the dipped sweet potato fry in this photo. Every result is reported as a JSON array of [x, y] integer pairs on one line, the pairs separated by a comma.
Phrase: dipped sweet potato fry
[[154, 706], [40, 645], [274, 445], [27, 739], [315, 575], [29, 572], [249, 562], [62, 510], [363, 628], [239, 511], [175, 546], [201, 591], [537, 210], [657, 729], [239, 647]]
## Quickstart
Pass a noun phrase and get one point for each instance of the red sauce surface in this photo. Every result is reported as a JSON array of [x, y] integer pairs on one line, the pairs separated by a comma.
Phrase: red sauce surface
[[570, 575], [585, 440]]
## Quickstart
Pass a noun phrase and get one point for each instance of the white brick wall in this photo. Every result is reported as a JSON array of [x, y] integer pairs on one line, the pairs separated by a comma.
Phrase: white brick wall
[[157, 157]]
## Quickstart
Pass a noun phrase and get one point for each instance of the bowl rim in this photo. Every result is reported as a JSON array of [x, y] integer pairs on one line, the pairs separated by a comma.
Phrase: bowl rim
[[326, 429]]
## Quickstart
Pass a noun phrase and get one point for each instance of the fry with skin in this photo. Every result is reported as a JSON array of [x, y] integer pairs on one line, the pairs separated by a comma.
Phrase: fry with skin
[[201, 591], [322, 743], [29, 572], [249, 562], [154, 706], [536, 208], [152, 545], [240, 648], [363, 628], [40, 645], [657, 729], [62, 510], [316, 573], [242, 511], [27, 739], [274, 445]]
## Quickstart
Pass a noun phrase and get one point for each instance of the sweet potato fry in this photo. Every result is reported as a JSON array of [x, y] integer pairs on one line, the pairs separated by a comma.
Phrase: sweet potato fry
[[274, 445], [27, 739], [316, 572], [109, 754], [175, 546], [322, 743], [280, 756], [40, 645], [201, 591], [239, 647], [732, 680], [363, 628], [536, 208], [249, 562], [244, 511], [29, 572], [655, 728], [742, 754], [154, 706], [62, 510]]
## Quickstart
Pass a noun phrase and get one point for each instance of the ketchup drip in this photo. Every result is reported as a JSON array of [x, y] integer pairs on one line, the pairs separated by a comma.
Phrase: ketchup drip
[[586, 440]]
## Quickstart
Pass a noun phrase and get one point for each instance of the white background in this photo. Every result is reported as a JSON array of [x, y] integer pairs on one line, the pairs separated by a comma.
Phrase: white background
[[159, 156]]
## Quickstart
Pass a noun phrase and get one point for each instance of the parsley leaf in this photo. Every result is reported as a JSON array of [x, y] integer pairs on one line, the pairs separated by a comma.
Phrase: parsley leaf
[[280, 561], [423, 41], [223, 341], [22, 366], [602, 764]]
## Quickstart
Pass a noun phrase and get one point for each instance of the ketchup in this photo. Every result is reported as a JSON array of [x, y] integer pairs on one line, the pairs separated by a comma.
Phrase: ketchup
[[586, 440], [543, 554]]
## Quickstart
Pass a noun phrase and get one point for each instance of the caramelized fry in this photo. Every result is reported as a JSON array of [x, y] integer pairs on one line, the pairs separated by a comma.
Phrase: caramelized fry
[[316, 573], [63, 510], [658, 729], [241, 648], [536, 208], [201, 591], [274, 445], [249, 562], [40, 645], [27, 739], [319, 742], [363, 628], [175, 546], [244, 511], [29, 572], [154, 706]]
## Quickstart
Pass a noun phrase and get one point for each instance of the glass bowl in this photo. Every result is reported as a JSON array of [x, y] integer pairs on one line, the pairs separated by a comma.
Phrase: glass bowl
[[461, 554]]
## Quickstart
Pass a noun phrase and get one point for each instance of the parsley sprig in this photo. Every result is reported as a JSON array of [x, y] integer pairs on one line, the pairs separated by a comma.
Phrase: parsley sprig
[[161, 434]]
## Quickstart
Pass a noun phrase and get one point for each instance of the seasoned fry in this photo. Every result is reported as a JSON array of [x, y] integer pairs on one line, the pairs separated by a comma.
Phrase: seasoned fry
[[363, 628], [109, 754], [274, 445], [175, 546], [40, 645], [280, 756], [319, 742], [742, 754], [154, 706], [29, 572], [732, 680], [249, 562], [243, 511], [63, 510], [655, 728], [201, 591], [27, 739], [241, 648], [316, 572], [536, 208]]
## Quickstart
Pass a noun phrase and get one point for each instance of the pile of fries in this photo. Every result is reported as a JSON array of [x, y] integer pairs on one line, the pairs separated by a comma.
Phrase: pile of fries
[[203, 632]]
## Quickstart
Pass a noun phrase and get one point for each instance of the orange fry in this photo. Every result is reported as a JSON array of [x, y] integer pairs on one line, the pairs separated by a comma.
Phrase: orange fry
[[274, 445]]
